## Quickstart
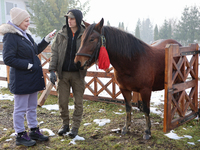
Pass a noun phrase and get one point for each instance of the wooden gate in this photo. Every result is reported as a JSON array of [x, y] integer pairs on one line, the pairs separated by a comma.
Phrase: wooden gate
[[181, 85]]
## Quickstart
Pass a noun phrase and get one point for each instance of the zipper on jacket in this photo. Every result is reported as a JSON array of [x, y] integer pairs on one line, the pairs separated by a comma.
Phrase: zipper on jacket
[[71, 53], [28, 41], [33, 45]]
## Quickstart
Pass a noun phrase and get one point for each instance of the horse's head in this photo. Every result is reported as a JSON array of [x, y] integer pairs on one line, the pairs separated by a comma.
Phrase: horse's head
[[90, 45]]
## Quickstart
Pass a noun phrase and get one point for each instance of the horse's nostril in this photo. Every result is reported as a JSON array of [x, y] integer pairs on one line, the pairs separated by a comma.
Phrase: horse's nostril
[[78, 65]]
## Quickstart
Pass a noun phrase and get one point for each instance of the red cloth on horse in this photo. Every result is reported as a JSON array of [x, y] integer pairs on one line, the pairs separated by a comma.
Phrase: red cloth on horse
[[104, 61]]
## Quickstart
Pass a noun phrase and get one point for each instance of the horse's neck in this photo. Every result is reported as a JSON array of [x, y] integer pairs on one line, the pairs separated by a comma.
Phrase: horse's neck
[[121, 63]]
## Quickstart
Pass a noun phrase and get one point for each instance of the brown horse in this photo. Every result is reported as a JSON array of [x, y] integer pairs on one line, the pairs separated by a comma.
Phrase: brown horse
[[137, 66]]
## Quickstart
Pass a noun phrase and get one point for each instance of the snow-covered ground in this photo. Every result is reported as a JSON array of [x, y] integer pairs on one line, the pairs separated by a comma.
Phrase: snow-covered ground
[[157, 98], [101, 122]]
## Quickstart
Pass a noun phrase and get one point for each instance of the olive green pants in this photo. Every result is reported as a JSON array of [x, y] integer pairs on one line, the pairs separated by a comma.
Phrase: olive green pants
[[74, 81]]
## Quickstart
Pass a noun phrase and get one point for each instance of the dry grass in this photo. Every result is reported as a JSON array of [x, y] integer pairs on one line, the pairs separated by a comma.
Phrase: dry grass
[[99, 137]]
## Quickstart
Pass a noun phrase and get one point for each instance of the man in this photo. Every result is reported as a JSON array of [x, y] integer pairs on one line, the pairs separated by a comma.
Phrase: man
[[64, 48]]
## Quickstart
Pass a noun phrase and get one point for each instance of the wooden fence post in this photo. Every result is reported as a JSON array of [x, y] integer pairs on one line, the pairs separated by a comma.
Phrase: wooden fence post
[[45, 94], [8, 74]]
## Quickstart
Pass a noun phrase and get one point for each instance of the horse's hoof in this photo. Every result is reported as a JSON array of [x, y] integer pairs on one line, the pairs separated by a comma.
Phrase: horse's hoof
[[146, 137], [124, 130]]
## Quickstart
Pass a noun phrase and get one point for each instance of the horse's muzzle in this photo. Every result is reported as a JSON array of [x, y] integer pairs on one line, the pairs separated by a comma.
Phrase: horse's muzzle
[[78, 65]]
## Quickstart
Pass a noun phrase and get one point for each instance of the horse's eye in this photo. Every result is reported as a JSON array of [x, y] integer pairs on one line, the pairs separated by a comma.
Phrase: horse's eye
[[91, 40]]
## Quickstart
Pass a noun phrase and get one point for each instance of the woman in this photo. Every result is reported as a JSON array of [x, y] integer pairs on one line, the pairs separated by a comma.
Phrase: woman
[[26, 76]]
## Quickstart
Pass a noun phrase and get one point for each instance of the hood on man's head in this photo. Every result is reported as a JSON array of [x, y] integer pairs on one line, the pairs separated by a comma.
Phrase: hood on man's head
[[75, 13]]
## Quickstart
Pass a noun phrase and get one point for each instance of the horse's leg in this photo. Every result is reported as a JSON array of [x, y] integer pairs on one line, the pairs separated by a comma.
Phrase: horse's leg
[[127, 98], [146, 95]]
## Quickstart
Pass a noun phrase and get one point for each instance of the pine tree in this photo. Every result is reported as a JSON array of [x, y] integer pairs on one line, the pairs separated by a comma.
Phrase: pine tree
[[146, 31], [137, 32], [187, 30], [194, 25], [49, 15], [139, 23], [164, 31], [121, 25], [108, 23], [169, 31], [156, 34]]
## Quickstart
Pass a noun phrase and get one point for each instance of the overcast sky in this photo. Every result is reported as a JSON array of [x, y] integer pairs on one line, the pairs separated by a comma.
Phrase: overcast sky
[[128, 11]]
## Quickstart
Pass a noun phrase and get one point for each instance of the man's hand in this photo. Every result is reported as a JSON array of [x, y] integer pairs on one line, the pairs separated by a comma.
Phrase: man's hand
[[53, 77]]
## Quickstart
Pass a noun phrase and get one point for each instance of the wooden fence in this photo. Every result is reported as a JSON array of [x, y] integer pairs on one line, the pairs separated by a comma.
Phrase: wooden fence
[[95, 85], [181, 85]]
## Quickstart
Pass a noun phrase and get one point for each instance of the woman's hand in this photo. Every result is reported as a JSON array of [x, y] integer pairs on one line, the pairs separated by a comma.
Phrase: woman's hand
[[50, 36]]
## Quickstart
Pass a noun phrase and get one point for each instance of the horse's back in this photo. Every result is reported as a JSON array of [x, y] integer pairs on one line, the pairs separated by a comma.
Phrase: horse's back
[[160, 44], [158, 57]]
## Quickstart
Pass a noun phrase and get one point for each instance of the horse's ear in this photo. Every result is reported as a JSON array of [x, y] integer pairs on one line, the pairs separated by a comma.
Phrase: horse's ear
[[101, 22], [86, 24], [99, 26]]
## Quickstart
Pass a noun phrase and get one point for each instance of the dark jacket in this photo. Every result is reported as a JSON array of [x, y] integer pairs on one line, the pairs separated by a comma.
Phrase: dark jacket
[[60, 46], [18, 52]]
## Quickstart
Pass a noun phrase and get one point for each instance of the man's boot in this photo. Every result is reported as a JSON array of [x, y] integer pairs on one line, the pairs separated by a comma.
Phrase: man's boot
[[73, 132], [63, 130]]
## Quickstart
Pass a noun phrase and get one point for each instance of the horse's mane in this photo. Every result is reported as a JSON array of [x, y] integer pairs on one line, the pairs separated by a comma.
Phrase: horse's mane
[[124, 43], [120, 42]]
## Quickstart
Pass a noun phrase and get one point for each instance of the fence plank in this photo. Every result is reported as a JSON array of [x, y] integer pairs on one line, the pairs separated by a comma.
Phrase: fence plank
[[45, 94]]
